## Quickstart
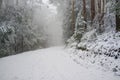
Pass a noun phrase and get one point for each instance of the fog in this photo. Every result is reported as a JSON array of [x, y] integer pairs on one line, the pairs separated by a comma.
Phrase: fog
[[46, 20], [52, 24]]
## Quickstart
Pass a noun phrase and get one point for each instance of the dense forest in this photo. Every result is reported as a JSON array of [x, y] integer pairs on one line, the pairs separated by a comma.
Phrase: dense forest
[[88, 30], [23, 24]]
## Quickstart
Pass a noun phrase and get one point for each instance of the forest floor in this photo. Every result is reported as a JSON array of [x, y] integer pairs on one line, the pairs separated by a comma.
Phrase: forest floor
[[49, 64]]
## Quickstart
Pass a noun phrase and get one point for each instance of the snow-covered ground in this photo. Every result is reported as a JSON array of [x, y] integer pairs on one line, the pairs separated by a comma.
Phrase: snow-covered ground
[[101, 50], [49, 64]]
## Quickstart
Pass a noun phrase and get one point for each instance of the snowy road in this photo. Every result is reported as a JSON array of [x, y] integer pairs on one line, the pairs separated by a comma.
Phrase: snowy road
[[48, 64]]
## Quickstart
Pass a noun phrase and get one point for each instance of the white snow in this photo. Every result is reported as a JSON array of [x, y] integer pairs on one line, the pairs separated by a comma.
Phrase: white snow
[[49, 64], [99, 50]]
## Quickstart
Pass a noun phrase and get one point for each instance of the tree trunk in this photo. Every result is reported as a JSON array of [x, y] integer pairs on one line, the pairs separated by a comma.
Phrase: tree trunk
[[99, 6], [102, 12], [92, 11], [99, 16], [117, 18], [73, 15], [84, 13], [0, 3]]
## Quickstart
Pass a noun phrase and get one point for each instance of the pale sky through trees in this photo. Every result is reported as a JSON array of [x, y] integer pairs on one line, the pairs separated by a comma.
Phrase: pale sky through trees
[[50, 6]]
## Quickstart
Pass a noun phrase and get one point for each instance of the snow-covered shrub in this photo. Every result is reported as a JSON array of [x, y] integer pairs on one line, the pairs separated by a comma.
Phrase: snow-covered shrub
[[101, 50]]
